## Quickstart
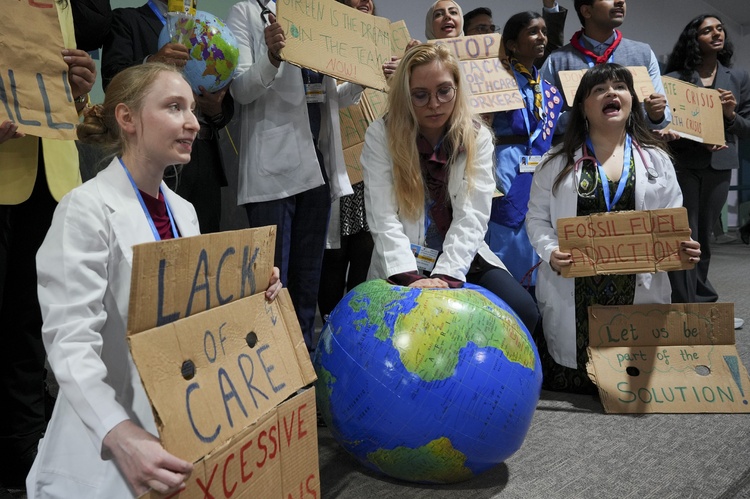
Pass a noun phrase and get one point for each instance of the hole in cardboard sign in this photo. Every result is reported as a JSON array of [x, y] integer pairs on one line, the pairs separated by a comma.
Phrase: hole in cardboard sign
[[702, 370], [632, 371], [251, 339], [188, 369]]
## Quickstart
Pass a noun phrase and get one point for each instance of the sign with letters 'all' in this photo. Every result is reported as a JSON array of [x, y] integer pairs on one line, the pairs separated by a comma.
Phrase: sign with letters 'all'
[[34, 87], [224, 384], [667, 358]]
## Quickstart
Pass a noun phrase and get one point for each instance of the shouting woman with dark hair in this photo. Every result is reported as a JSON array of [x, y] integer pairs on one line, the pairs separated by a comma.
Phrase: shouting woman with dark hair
[[609, 161]]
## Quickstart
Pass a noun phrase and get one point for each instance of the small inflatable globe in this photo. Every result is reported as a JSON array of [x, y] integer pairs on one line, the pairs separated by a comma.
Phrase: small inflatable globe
[[431, 386], [213, 49]]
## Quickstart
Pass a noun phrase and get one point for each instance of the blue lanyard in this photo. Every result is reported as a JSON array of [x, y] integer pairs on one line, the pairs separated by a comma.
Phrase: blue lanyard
[[145, 210], [623, 177], [158, 13], [530, 109]]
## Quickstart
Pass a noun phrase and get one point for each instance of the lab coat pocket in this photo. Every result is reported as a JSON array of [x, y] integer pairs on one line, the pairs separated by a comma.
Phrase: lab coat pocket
[[278, 151]]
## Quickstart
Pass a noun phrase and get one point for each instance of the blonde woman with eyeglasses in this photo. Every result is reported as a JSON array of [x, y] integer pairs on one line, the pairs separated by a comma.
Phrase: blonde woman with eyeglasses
[[428, 168]]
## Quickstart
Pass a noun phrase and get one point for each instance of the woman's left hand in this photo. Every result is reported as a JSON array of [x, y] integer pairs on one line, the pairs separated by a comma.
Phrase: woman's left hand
[[692, 249], [274, 285], [728, 103]]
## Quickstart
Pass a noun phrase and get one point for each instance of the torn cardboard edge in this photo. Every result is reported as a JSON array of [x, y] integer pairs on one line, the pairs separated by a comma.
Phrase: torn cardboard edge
[[625, 242], [657, 358]]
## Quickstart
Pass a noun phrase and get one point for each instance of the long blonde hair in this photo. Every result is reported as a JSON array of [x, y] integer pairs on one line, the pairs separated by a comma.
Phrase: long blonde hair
[[402, 128]]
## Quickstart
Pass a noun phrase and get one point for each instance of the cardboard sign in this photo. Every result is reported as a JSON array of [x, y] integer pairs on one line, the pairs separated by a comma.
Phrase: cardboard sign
[[277, 457], [354, 121], [339, 41], [222, 382], [625, 242], [696, 111], [246, 358], [641, 83], [493, 86], [34, 86], [180, 277], [667, 358]]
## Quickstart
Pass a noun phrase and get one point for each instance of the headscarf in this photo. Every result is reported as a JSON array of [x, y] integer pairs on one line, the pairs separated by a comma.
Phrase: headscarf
[[429, 34]]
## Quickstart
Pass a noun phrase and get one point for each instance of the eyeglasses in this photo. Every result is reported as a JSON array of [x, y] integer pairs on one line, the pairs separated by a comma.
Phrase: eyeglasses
[[482, 29], [444, 95]]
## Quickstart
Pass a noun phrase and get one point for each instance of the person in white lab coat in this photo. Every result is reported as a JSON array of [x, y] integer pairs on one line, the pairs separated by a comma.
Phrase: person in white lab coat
[[609, 161], [101, 440], [291, 164], [428, 169]]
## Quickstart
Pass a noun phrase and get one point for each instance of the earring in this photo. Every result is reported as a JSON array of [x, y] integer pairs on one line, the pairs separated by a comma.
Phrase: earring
[[586, 124], [630, 121]]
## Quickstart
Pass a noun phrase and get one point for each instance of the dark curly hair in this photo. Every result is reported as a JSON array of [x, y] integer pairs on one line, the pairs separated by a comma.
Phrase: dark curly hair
[[686, 55]]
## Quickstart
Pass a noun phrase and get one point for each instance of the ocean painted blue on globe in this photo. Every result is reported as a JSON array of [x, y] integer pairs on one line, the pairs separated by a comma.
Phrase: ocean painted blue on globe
[[427, 385]]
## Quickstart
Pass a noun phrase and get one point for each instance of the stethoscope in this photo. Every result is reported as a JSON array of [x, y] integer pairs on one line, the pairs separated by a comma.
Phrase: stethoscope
[[589, 193]]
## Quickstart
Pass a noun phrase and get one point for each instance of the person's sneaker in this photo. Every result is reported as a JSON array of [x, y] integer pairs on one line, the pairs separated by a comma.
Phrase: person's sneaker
[[738, 322]]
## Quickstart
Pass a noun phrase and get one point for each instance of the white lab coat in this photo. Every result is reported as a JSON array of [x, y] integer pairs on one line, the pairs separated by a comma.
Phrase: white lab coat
[[394, 235], [277, 158], [84, 268], [556, 294]]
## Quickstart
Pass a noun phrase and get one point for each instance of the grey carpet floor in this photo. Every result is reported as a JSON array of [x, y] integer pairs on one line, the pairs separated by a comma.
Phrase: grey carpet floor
[[575, 450]]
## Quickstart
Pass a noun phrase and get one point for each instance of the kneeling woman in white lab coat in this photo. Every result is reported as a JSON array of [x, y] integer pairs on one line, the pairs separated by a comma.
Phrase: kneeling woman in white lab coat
[[101, 439], [609, 161], [428, 170]]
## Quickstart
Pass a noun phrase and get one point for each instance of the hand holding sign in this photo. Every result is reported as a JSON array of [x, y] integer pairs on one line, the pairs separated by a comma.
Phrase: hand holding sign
[[144, 462], [81, 71], [275, 40], [728, 103], [9, 130], [655, 105]]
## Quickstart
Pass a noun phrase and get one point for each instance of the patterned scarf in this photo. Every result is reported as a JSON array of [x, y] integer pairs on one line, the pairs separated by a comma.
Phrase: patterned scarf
[[575, 41], [536, 84]]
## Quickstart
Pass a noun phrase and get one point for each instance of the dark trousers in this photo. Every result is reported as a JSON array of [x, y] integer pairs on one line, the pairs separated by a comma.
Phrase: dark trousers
[[301, 222], [704, 193], [200, 182], [506, 287], [22, 372], [344, 269]]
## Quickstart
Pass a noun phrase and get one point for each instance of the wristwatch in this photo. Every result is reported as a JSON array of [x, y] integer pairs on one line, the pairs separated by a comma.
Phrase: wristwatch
[[81, 99]]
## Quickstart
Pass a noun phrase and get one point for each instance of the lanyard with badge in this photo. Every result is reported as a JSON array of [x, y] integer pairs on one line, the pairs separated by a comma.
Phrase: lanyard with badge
[[528, 162], [151, 224], [315, 92]]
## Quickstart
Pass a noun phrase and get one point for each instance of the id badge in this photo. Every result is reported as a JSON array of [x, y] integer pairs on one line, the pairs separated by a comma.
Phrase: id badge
[[315, 93], [426, 258], [528, 163]]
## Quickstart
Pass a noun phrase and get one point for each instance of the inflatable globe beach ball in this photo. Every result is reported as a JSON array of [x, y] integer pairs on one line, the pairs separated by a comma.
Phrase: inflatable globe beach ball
[[214, 53], [429, 386]]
